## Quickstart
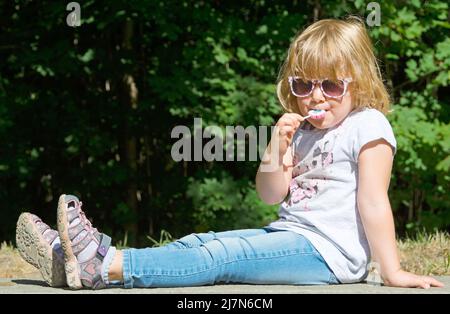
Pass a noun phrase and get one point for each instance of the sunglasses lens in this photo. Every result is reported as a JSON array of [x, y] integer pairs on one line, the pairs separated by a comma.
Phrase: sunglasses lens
[[333, 88], [300, 87]]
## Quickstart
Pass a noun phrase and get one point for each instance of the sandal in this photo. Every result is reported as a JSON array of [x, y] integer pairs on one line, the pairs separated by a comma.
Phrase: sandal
[[84, 247], [33, 240]]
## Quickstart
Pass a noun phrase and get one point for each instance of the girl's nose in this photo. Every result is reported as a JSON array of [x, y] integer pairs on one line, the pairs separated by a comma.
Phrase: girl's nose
[[317, 94]]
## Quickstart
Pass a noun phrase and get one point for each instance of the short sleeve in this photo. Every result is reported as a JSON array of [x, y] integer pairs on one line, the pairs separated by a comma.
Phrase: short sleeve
[[371, 126]]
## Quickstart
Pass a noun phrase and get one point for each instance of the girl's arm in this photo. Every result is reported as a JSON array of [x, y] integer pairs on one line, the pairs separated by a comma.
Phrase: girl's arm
[[273, 186], [374, 167], [275, 172]]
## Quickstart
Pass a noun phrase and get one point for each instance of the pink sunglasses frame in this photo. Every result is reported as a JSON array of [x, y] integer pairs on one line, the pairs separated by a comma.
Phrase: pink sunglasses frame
[[291, 79]]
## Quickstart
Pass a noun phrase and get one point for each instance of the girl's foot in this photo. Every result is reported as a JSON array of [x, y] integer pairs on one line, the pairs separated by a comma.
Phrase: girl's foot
[[39, 245], [84, 247]]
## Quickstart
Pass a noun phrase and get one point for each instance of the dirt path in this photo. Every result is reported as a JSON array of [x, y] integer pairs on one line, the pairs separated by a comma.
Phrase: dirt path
[[13, 266]]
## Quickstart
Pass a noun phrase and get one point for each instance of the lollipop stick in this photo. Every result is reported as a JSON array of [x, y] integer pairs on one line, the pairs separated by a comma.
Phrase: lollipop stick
[[293, 151]]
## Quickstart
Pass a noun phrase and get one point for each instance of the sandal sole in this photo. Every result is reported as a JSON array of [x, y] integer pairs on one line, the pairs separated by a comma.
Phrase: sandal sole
[[34, 249]]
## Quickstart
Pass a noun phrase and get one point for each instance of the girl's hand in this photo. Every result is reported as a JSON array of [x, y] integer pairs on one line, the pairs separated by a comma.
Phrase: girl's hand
[[286, 127], [404, 279]]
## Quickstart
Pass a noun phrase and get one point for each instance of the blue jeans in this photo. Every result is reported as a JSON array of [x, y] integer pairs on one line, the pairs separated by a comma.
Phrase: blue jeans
[[251, 256]]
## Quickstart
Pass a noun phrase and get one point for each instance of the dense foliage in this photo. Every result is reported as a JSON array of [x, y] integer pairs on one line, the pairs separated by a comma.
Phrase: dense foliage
[[89, 110]]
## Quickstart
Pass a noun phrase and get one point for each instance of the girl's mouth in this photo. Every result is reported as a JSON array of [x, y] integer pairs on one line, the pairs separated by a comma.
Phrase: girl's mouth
[[316, 114]]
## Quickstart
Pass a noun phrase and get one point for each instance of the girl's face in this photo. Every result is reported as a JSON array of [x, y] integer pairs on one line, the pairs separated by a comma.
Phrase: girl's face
[[336, 108]]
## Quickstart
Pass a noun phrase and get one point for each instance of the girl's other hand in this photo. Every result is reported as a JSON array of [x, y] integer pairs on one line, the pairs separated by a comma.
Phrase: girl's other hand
[[404, 279], [286, 127]]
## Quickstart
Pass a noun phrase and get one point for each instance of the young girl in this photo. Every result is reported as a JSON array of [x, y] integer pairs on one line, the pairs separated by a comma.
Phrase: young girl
[[331, 176]]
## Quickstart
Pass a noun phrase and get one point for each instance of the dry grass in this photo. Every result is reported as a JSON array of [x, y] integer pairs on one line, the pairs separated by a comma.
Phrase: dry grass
[[426, 254], [13, 266]]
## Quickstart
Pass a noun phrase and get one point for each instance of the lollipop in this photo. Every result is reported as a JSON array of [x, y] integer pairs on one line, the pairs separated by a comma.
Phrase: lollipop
[[316, 114]]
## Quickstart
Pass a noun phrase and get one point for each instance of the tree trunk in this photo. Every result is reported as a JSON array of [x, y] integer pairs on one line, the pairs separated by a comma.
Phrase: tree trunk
[[316, 10], [148, 171], [130, 101]]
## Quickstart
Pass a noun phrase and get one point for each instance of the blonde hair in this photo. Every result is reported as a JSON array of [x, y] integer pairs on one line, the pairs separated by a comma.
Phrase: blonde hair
[[335, 49]]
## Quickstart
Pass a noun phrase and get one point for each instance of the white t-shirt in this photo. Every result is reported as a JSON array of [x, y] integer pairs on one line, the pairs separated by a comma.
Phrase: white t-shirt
[[321, 204]]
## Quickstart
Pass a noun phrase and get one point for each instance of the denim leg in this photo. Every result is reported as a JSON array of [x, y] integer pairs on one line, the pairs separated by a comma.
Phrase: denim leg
[[197, 239], [281, 257]]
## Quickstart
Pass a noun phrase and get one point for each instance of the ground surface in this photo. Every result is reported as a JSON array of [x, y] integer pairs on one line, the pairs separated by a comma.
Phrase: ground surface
[[35, 285]]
